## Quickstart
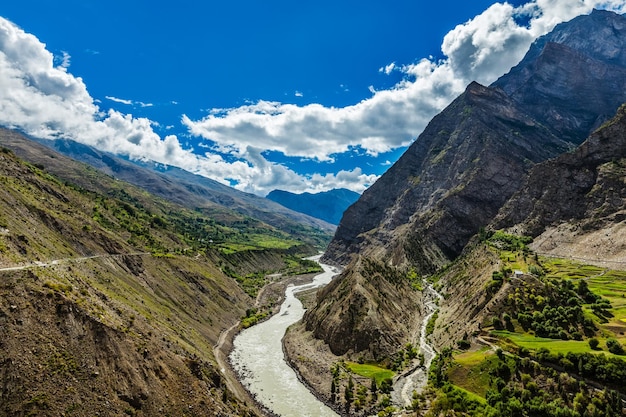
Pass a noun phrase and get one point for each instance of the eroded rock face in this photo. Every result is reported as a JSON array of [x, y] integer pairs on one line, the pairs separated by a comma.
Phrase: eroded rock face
[[354, 308], [450, 182], [574, 78], [586, 186]]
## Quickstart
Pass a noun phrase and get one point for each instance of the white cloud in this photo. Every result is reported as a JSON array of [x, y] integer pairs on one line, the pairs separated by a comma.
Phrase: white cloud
[[388, 68], [298, 94], [481, 49], [46, 101], [119, 100], [129, 102], [65, 60]]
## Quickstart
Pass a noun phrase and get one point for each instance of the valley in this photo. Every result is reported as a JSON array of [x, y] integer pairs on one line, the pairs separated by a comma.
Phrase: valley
[[483, 274], [112, 299]]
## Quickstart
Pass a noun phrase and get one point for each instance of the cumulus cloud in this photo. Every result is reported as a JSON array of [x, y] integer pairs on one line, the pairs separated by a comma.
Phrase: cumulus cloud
[[481, 49], [46, 101], [40, 96]]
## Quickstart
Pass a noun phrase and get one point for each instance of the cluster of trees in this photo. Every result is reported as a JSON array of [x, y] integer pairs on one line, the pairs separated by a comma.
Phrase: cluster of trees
[[598, 367], [553, 308], [524, 387], [361, 398], [505, 241]]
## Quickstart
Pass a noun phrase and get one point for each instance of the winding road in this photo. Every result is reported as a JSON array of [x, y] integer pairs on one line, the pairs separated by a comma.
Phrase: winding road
[[38, 264]]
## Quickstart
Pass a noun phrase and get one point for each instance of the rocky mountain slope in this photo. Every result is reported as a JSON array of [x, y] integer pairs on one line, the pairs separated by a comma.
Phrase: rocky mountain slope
[[573, 206], [474, 156], [328, 205], [112, 299], [568, 200]]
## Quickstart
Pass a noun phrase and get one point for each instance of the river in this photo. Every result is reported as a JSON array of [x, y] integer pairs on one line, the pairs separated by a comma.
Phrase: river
[[258, 359], [416, 378]]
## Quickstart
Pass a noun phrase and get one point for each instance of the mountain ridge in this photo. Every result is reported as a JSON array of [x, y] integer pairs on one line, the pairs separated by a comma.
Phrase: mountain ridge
[[180, 186], [326, 205]]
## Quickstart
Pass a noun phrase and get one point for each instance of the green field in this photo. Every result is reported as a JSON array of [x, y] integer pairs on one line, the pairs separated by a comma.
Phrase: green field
[[470, 372], [554, 345], [370, 371]]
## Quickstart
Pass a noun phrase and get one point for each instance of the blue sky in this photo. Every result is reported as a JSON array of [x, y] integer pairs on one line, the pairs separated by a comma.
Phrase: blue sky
[[301, 96]]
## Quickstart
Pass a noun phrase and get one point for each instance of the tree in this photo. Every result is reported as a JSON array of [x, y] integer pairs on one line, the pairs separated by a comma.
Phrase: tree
[[593, 343], [374, 388], [614, 346]]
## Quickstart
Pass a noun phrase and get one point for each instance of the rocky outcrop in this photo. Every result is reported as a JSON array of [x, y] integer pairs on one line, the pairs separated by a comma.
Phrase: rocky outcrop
[[354, 308]]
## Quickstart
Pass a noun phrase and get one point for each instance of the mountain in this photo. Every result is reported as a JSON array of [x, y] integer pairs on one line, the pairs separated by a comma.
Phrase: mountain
[[468, 162], [328, 205], [563, 89], [572, 206], [91, 322], [564, 233], [182, 187]]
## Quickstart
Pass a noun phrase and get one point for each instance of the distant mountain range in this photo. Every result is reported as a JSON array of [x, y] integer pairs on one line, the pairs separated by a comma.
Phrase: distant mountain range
[[173, 184], [328, 205]]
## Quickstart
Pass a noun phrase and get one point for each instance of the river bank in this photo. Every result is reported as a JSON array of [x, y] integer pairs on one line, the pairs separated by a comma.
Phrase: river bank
[[309, 357], [271, 293], [258, 360]]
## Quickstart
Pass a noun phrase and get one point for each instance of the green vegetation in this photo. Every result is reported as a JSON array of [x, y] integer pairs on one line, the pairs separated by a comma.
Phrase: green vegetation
[[560, 325], [371, 371], [488, 384], [364, 387], [430, 326], [254, 316]]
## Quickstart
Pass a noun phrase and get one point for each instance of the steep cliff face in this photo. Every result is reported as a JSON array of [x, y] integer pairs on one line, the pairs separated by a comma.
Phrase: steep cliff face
[[475, 155], [584, 188], [574, 78], [450, 182]]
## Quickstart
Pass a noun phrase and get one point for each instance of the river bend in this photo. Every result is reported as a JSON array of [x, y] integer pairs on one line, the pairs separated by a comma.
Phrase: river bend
[[258, 359]]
